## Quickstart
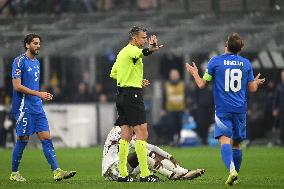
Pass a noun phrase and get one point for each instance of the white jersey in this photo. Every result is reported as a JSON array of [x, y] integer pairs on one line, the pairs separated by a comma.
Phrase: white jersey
[[110, 152]]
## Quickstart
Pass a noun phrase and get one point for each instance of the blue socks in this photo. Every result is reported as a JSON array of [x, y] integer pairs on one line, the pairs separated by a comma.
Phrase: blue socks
[[17, 154], [227, 156], [49, 153], [237, 156]]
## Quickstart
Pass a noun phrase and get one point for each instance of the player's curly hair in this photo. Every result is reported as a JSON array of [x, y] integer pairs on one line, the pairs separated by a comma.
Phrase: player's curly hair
[[235, 43], [135, 31], [28, 39]]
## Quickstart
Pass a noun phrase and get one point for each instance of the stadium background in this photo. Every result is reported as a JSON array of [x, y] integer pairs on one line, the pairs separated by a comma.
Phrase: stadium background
[[80, 41], [82, 38]]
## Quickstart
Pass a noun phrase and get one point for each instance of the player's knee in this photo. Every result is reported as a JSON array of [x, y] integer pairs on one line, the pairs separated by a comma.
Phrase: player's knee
[[23, 138], [146, 135], [142, 135], [44, 138], [141, 132], [126, 138], [236, 144], [126, 133], [224, 140], [43, 135]]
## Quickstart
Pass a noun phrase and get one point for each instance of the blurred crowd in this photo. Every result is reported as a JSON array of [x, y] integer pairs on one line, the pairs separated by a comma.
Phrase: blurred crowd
[[15, 7], [83, 93], [7, 123], [182, 102]]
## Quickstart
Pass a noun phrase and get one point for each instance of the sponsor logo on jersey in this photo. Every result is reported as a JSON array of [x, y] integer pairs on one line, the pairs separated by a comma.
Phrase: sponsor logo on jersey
[[18, 72]]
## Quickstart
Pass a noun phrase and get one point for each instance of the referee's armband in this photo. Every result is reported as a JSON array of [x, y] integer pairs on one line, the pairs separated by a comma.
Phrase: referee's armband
[[146, 52], [207, 77]]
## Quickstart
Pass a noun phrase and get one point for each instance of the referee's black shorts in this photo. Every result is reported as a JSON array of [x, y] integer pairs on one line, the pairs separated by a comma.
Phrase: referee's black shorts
[[130, 106]]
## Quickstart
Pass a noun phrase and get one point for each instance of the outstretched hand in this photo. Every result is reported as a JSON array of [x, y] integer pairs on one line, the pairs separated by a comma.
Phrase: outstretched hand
[[153, 43], [191, 69], [259, 81]]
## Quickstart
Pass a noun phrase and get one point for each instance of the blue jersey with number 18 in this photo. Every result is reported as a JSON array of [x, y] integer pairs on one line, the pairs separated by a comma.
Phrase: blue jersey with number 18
[[29, 72], [230, 74]]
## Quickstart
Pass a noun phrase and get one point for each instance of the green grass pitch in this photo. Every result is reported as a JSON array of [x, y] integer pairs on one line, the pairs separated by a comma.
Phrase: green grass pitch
[[262, 168]]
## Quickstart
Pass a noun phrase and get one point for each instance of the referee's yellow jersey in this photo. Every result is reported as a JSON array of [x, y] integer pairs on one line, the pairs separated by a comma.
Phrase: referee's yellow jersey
[[128, 67]]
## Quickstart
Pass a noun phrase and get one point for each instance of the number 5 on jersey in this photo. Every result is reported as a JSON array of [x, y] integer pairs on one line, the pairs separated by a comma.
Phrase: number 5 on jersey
[[232, 76], [36, 76]]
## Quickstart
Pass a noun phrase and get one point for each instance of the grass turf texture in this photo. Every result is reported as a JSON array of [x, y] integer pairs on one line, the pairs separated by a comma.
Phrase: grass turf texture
[[262, 168]]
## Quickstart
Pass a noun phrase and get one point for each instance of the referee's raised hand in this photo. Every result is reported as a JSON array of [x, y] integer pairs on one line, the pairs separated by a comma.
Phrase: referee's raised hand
[[153, 43]]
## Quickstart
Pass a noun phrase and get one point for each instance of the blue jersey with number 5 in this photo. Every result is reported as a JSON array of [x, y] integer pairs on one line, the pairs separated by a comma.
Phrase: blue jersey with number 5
[[230, 74], [29, 72]]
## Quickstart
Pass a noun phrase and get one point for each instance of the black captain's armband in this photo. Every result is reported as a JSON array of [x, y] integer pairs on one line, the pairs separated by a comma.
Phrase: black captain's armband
[[146, 52]]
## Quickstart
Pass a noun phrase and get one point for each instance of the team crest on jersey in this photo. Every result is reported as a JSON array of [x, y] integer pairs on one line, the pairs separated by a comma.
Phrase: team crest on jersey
[[18, 72]]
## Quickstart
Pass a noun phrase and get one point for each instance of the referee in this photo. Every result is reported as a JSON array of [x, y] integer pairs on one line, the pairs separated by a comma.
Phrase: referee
[[128, 72]]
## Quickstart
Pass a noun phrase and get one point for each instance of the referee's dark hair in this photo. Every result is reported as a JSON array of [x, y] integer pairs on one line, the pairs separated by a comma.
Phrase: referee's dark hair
[[235, 43], [28, 39], [135, 31]]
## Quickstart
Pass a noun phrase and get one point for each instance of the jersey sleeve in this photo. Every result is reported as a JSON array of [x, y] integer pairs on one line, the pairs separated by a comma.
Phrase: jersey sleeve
[[250, 73], [209, 73], [135, 52], [113, 73], [158, 150], [18, 68]]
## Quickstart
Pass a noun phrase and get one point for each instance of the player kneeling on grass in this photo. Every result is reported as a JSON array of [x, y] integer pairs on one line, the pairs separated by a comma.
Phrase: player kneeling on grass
[[158, 161]]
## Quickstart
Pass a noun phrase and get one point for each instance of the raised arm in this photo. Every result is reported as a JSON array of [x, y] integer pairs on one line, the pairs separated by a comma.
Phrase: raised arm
[[156, 149], [152, 150], [153, 46], [193, 70], [253, 85]]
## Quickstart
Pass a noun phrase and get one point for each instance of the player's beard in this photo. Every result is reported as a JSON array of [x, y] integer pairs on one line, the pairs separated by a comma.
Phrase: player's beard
[[35, 52]]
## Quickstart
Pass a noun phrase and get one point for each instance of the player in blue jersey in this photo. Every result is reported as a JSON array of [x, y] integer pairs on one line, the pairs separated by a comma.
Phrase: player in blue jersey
[[28, 111], [232, 76]]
